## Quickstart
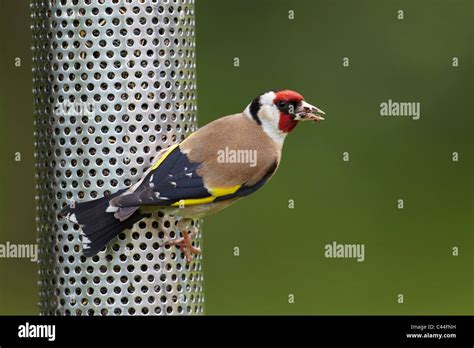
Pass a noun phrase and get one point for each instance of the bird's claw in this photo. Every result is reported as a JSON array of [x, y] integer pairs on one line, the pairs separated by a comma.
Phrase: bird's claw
[[185, 245]]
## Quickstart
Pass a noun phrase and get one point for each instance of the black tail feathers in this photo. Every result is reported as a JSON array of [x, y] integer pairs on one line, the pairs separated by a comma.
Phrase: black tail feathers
[[99, 227]]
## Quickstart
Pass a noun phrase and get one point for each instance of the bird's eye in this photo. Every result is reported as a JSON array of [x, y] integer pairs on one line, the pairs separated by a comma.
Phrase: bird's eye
[[281, 104]]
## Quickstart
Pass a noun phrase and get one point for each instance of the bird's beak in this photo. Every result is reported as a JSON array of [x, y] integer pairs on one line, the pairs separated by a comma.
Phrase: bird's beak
[[308, 112]]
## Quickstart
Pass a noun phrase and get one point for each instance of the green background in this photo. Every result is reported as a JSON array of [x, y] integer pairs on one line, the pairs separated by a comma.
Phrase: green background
[[408, 251]]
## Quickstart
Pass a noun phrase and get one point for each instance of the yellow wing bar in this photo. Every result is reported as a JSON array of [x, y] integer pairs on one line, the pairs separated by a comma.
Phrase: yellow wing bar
[[215, 193], [162, 158]]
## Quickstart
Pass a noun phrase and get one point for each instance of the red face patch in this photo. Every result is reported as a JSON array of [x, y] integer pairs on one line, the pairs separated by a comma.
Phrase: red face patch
[[288, 99], [286, 123], [288, 95]]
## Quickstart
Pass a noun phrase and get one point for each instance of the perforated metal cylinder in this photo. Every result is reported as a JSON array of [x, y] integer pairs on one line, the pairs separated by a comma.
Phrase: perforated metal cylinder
[[114, 82]]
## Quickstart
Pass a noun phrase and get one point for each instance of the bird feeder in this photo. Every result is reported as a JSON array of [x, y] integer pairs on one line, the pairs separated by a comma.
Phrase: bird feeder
[[114, 82]]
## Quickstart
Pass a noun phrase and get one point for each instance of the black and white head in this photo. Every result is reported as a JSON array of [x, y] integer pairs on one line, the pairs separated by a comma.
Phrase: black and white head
[[278, 112]]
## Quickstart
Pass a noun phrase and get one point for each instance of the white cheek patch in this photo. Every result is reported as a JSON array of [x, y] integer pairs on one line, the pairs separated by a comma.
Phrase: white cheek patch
[[269, 113], [267, 98], [270, 117]]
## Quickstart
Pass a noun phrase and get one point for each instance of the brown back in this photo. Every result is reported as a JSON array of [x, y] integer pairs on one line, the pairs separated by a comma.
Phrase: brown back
[[236, 132]]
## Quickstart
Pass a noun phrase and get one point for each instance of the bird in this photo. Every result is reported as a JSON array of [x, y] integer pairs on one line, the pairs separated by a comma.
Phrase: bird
[[211, 169]]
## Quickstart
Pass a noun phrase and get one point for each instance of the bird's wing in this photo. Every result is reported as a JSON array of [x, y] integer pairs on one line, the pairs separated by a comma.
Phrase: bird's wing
[[190, 173], [175, 181]]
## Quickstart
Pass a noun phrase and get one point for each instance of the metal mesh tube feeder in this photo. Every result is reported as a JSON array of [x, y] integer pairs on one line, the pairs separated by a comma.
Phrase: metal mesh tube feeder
[[114, 83]]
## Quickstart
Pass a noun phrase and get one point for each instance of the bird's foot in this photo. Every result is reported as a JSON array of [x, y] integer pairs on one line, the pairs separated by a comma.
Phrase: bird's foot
[[185, 244]]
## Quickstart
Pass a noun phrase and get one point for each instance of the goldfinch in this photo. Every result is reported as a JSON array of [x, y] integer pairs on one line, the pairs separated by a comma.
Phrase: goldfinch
[[211, 169]]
